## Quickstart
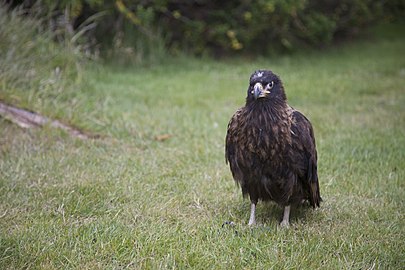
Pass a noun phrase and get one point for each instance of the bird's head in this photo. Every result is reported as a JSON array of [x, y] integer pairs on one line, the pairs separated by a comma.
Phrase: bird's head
[[264, 85]]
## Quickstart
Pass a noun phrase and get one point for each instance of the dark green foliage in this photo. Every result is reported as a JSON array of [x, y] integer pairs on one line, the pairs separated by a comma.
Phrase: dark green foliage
[[134, 29]]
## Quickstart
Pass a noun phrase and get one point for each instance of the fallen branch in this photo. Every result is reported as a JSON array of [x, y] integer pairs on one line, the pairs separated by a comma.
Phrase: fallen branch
[[27, 119]]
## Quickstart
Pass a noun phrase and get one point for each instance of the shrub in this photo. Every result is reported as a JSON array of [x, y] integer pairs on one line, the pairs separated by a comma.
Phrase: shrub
[[146, 30], [260, 26]]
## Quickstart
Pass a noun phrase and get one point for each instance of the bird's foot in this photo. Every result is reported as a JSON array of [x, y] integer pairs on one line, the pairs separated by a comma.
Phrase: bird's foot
[[228, 223], [284, 224]]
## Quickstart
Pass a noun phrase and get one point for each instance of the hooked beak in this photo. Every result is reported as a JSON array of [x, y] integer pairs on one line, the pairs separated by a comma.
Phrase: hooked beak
[[259, 92]]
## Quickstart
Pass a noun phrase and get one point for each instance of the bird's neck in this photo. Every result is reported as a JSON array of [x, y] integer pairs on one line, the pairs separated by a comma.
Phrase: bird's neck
[[271, 110], [267, 128]]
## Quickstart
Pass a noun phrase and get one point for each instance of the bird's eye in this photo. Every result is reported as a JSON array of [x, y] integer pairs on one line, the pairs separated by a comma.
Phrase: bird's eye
[[270, 85]]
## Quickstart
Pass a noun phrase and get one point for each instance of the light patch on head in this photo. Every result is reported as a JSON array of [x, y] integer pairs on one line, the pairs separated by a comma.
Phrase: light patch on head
[[258, 74]]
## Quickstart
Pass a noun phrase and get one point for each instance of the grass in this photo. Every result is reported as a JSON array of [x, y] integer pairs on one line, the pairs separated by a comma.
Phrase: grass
[[128, 200], [35, 71]]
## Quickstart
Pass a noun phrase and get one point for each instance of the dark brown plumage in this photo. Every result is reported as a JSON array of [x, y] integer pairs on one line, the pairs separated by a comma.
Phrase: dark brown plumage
[[271, 149]]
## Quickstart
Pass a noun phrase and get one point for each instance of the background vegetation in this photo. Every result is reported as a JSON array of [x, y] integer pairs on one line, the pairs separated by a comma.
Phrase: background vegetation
[[154, 191], [36, 72], [144, 30]]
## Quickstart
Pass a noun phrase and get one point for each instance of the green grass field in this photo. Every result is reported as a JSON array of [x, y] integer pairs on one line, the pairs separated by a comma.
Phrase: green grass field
[[131, 200]]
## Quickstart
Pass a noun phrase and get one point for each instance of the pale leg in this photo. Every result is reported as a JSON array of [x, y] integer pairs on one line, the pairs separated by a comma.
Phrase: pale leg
[[286, 217], [252, 219]]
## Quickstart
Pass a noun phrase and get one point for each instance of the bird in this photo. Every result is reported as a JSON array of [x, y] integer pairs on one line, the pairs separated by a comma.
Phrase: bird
[[270, 148]]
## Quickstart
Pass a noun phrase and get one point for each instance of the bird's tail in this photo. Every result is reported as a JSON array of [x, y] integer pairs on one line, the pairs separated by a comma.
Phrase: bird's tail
[[315, 197]]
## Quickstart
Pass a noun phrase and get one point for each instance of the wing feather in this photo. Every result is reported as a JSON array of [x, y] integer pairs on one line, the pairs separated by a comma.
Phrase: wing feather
[[306, 165], [230, 146]]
